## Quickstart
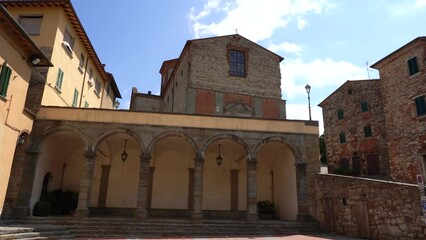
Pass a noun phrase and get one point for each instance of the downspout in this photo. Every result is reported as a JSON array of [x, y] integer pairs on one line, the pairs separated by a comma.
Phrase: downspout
[[103, 87], [84, 82]]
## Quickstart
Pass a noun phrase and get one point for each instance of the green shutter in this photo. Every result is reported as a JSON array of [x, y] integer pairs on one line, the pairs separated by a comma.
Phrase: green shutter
[[59, 79], [4, 79], [364, 107], [367, 131], [420, 105], [74, 102], [340, 114], [342, 137]]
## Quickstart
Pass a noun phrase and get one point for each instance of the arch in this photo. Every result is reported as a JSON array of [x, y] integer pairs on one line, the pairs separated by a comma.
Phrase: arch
[[296, 151], [36, 145], [94, 144], [171, 134], [225, 136]]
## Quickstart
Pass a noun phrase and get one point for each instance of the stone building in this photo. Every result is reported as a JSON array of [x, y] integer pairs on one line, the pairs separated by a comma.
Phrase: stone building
[[403, 77], [211, 145], [221, 76], [395, 112], [354, 129], [20, 64]]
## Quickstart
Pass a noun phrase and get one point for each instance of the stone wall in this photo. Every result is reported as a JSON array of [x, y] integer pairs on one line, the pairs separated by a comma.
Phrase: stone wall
[[348, 99], [145, 102], [369, 208], [406, 132]]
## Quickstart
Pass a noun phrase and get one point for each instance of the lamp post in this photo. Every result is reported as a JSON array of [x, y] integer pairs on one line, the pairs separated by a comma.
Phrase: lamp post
[[308, 90]]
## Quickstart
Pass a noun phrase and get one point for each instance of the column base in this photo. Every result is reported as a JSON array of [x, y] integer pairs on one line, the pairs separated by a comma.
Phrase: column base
[[197, 216], [303, 217], [81, 213], [20, 212], [141, 213], [252, 217]]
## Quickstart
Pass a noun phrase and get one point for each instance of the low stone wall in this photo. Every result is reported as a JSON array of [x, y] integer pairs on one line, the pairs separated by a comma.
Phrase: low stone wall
[[369, 208]]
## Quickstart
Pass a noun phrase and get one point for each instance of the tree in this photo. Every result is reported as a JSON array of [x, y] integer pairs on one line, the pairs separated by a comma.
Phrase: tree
[[323, 151]]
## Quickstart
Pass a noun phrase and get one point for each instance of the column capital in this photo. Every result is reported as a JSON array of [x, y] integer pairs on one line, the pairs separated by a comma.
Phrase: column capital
[[145, 157], [32, 153], [90, 155], [199, 160], [300, 164]]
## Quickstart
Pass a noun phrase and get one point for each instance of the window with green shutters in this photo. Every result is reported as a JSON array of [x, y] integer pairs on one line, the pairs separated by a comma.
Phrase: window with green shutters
[[4, 79], [340, 114], [420, 105], [86, 104], [59, 79], [364, 107], [367, 131], [74, 101], [342, 137], [413, 67]]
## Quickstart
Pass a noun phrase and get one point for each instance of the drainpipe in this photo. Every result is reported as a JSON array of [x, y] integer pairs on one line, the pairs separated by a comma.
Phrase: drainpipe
[[84, 82], [103, 87]]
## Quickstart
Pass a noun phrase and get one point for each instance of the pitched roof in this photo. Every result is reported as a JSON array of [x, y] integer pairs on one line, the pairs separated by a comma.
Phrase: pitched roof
[[21, 38], [412, 42], [323, 103], [75, 22]]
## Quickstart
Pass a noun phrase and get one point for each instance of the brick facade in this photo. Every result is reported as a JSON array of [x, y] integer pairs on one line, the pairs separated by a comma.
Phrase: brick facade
[[350, 111], [203, 70]]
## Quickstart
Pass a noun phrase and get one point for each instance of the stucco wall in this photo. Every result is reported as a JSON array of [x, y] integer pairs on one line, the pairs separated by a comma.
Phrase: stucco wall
[[369, 208]]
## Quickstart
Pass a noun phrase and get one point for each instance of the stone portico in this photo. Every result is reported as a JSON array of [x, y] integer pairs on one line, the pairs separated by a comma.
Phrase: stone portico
[[171, 168]]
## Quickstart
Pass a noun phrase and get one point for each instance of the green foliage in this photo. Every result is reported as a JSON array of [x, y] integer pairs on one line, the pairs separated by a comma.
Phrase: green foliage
[[265, 207], [42, 208], [323, 150], [57, 202]]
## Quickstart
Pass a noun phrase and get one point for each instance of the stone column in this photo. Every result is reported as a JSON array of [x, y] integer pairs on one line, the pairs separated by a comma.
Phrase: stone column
[[197, 213], [142, 201], [22, 207], [251, 215], [82, 210], [302, 191]]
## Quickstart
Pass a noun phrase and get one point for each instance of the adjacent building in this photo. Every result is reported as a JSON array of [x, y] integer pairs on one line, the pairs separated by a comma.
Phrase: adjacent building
[[20, 64], [377, 127]]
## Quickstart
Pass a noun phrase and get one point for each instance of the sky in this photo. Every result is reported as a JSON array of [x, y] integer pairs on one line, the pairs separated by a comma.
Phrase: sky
[[324, 42]]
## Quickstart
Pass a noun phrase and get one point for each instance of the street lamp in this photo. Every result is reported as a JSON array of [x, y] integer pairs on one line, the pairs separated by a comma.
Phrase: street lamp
[[308, 90]]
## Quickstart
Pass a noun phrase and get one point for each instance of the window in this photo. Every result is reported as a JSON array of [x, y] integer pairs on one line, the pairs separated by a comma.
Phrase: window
[[86, 104], [342, 137], [90, 74], [81, 63], [31, 24], [75, 99], [413, 67], [420, 105], [367, 131], [364, 107], [237, 63], [98, 86], [69, 39], [4, 79], [108, 88], [340, 114], [59, 79]]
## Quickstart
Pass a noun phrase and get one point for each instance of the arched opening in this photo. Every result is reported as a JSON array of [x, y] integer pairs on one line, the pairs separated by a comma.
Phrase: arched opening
[[60, 164], [171, 174], [115, 177], [225, 186], [276, 179]]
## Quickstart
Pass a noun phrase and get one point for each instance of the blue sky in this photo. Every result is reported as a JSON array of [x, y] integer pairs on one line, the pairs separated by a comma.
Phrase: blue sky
[[324, 42]]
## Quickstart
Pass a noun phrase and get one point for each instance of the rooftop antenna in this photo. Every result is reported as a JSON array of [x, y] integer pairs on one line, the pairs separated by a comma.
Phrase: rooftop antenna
[[368, 70]]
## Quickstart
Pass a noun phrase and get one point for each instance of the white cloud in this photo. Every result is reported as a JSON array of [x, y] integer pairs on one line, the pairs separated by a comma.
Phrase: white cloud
[[405, 7], [320, 73], [286, 47], [301, 112], [255, 19]]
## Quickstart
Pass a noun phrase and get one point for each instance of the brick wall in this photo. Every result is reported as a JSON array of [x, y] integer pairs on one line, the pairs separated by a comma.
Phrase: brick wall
[[369, 208], [405, 131]]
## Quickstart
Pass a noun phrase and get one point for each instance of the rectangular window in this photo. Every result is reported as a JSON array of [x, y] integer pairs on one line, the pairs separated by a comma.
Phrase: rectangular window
[[69, 39], [364, 107], [420, 105], [342, 137], [75, 99], [413, 67], [340, 114], [367, 131], [108, 89], [59, 79], [31, 24], [81, 63], [237, 62], [4, 79], [98, 86], [86, 104], [90, 74]]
